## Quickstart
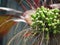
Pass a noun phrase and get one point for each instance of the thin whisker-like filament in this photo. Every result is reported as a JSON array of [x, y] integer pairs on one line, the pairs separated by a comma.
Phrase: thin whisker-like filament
[[44, 3], [21, 4], [20, 1], [30, 4], [36, 38], [10, 10], [51, 1], [18, 34], [39, 3], [42, 38], [27, 3], [5, 22], [23, 7], [34, 3]]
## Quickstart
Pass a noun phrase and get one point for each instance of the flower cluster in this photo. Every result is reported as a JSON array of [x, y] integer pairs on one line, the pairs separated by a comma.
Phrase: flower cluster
[[47, 20]]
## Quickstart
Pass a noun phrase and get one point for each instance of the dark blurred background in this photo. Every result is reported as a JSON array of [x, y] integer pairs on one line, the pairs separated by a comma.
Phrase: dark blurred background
[[3, 3]]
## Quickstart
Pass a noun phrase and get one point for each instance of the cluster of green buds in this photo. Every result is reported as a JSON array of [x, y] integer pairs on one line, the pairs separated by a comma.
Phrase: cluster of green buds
[[46, 19]]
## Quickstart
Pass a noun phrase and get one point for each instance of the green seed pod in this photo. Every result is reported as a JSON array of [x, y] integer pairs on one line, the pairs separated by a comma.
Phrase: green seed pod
[[49, 24], [54, 31], [53, 24], [42, 15], [46, 29], [37, 13], [33, 16], [51, 18], [55, 20], [40, 11], [54, 27], [47, 18], [41, 21], [58, 21], [55, 16], [43, 24]]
